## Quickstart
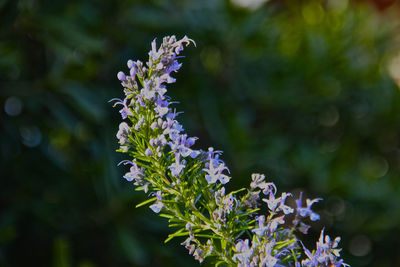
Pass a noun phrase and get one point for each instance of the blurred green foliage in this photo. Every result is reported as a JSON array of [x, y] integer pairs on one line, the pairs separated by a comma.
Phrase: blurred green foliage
[[298, 90]]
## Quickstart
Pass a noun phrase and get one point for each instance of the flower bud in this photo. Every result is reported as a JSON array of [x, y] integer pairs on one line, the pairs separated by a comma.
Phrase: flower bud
[[148, 152], [154, 125], [121, 76], [133, 72], [130, 63]]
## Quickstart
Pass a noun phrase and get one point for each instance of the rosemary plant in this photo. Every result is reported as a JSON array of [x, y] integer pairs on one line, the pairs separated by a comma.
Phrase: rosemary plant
[[186, 185]]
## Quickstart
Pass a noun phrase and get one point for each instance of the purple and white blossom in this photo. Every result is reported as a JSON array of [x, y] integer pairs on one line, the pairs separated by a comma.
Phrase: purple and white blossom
[[262, 228], [243, 252], [306, 211], [214, 168], [148, 92], [278, 204], [161, 107], [130, 63], [214, 172], [132, 72], [134, 172], [326, 253], [266, 258], [148, 152], [123, 133], [125, 111], [139, 123], [229, 202], [181, 144], [158, 205], [159, 141], [275, 222], [177, 167]]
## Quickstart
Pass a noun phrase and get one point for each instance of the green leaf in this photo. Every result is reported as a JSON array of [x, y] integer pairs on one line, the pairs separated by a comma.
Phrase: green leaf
[[219, 263], [247, 213], [168, 216], [237, 191], [281, 244], [177, 233], [146, 202]]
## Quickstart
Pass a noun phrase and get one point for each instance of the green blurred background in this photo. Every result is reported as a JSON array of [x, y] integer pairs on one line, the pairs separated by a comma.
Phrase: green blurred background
[[303, 91]]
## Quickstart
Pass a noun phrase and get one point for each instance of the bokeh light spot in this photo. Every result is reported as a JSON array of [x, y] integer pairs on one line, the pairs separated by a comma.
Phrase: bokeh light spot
[[250, 4], [394, 69], [211, 59], [31, 136], [329, 117], [375, 167], [313, 13], [289, 43], [335, 206], [360, 245], [13, 106], [338, 5]]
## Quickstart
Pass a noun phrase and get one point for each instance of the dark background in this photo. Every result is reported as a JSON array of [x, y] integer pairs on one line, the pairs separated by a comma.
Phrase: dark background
[[303, 91]]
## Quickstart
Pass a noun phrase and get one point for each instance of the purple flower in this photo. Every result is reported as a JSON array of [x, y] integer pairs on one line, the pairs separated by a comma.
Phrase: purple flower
[[121, 76], [139, 123], [195, 153], [190, 141], [260, 231], [188, 246], [171, 116], [147, 92], [244, 252], [154, 54], [229, 202], [278, 204], [154, 125], [212, 154], [180, 143], [175, 66], [134, 172], [125, 111], [269, 260], [158, 205], [268, 188], [159, 87], [214, 169], [306, 211], [160, 141], [167, 78], [219, 195], [177, 167], [303, 228], [130, 63], [178, 49], [286, 209], [274, 223], [256, 180], [326, 253], [161, 107], [140, 100], [148, 152], [123, 132], [172, 128], [132, 72]]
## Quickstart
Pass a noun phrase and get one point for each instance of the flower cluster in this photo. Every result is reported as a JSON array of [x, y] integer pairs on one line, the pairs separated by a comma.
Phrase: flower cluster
[[186, 185]]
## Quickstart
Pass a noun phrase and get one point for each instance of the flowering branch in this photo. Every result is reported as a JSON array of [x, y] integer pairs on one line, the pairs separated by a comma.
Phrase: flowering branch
[[186, 185]]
